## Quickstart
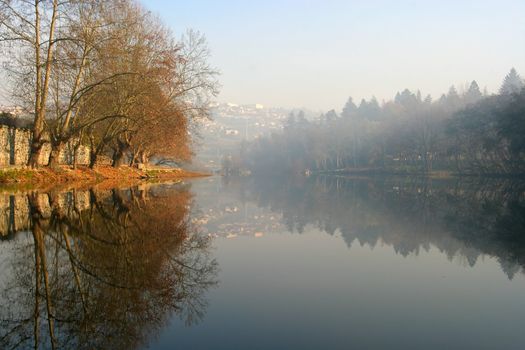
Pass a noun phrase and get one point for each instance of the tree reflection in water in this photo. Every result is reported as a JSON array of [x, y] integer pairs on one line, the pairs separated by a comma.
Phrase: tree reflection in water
[[102, 268], [463, 218]]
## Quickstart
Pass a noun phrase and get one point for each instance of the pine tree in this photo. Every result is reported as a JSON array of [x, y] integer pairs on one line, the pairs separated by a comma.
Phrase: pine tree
[[373, 109], [331, 116], [511, 84], [349, 109], [473, 94], [407, 99], [453, 100]]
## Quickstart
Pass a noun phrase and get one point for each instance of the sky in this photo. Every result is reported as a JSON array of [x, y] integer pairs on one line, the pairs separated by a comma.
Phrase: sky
[[317, 53]]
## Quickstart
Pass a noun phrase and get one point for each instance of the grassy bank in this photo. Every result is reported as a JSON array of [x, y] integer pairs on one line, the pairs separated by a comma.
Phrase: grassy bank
[[68, 175]]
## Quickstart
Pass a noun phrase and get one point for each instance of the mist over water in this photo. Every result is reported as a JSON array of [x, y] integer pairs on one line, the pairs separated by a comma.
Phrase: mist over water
[[278, 174], [366, 263], [303, 262], [310, 261]]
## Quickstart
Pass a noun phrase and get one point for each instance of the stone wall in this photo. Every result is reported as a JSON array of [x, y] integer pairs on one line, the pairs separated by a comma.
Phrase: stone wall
[[45, 152], [69, 152], [83, 155], [5, 145], [21, 145], [15, 145]]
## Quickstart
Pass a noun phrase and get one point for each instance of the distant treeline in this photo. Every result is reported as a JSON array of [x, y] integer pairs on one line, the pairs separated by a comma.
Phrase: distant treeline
[[467, 133], [108, 74]]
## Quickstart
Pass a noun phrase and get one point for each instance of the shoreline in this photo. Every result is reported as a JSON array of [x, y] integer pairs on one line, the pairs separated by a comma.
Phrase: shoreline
[[66, 176], [435, 174]]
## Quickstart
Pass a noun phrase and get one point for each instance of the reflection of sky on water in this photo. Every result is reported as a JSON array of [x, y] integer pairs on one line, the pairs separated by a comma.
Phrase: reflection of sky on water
[[317, 264], [315, 290]]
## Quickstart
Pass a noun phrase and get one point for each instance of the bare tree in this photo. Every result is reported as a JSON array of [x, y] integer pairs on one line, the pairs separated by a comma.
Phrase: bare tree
[[110, 72], [32, 25]]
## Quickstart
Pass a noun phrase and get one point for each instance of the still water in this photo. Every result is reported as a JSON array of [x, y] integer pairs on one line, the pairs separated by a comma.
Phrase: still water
[[216, 263]]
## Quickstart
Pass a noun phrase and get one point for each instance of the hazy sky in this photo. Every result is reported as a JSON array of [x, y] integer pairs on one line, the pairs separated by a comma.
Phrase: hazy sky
[[316, 53]]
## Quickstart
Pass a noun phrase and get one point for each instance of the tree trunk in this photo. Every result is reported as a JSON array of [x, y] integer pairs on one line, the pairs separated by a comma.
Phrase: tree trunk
[[75, 153], [54, 157], [118, 158], [144, 158], [120, 152], [41, 90], [133, 159], [34, 154], [92, 158]]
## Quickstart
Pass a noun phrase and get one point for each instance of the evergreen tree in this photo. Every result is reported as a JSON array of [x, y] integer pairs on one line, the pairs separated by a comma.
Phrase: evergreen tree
[[349, 109], [511, 84], [331, 116], [373, 109], [407, 99], [511, 122], [453, 100], [473, 94]]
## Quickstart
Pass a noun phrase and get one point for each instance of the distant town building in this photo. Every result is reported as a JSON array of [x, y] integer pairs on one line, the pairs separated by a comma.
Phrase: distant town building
[[232, 132]]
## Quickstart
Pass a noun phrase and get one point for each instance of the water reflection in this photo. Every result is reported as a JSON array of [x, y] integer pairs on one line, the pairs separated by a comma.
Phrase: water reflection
[[99, 268], [463, 218]]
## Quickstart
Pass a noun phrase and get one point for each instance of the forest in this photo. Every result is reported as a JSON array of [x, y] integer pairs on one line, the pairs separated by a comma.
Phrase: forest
[[466, 132], [106, 74]]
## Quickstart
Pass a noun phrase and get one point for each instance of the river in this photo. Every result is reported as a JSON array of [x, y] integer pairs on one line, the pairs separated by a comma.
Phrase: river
[[247, 263]]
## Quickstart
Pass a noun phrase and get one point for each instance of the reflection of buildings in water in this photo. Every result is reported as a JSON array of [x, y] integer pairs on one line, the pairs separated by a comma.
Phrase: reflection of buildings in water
[[100, 269], [221, 215], [222, 223]]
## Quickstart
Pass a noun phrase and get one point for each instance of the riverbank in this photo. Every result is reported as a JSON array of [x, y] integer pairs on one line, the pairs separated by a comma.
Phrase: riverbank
[[434, 174], [370, 172], [67, 175]]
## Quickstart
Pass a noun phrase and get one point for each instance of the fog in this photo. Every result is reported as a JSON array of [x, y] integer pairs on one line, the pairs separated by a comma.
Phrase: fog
[[461, 133], [264, 174]]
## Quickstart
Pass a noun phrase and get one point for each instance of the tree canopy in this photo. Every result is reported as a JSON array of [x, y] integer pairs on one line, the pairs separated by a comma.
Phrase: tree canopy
[[108, 74], [465, 132]]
